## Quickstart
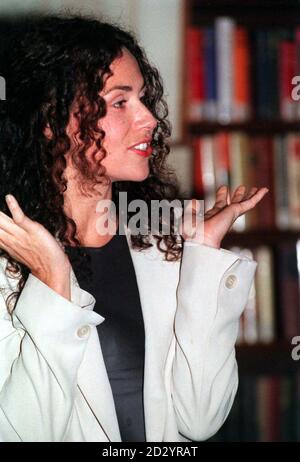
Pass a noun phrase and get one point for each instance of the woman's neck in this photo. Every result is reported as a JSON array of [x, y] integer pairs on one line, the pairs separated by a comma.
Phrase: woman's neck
[[89, 214]]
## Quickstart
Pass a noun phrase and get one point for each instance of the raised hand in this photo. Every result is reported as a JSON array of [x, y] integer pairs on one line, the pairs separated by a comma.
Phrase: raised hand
[[219, 219], [29, 243]]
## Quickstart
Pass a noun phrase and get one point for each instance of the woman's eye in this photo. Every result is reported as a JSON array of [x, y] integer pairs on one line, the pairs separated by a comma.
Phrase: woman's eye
[[119, 104]]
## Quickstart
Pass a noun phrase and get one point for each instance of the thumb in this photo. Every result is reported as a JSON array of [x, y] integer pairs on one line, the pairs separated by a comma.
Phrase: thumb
[[17, 213]]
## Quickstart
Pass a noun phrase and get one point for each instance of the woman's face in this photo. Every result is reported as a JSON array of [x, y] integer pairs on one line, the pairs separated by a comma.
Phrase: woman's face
[[127, 123]]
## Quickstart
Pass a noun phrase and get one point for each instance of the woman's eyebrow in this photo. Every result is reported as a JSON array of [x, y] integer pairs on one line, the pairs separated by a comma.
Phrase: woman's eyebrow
[[121, 87]]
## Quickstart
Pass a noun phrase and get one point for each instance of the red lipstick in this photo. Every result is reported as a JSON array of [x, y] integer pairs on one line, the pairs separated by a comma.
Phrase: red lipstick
[[146, 153], [140, 152]]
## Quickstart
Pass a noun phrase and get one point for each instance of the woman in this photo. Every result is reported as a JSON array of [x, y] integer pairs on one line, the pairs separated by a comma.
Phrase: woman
[[146, 352]]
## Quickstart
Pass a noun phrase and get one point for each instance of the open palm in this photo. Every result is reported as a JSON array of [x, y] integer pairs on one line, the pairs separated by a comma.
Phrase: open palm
[[219, 219]]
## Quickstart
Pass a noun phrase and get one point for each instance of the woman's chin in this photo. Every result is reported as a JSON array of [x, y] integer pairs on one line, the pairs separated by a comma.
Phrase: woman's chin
[[137, 176], [141, 176]]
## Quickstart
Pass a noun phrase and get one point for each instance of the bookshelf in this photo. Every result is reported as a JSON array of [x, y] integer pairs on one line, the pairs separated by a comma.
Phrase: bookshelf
[[252, 126], [265, 364], [254, 238]]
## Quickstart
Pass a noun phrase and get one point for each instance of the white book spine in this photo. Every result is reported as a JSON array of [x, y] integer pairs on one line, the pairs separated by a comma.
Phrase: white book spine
[[265, 294], [224, 27], [236, 166], [209, 180]]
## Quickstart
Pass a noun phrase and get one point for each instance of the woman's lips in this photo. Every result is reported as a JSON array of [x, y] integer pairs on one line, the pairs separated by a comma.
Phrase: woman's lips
[[146, 153]]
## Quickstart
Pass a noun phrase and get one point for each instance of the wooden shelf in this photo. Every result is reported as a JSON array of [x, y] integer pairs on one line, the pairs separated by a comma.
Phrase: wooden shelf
[[260, 237], [274, 358], [253, 13], [204, 5], [253, 126]]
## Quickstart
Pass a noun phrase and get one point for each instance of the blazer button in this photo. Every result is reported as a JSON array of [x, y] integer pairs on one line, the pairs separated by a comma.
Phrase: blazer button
[[231, 281], [83, 331]]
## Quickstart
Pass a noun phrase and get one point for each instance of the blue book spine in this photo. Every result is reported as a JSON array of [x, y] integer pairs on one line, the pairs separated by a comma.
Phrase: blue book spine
[[210, 81]]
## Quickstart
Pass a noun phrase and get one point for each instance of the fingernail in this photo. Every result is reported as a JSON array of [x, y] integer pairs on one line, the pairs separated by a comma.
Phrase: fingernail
[[9, 198]]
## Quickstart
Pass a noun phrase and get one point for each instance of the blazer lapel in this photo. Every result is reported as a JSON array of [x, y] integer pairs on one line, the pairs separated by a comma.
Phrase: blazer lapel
[[94, 384], [157, 282], [93, 380]]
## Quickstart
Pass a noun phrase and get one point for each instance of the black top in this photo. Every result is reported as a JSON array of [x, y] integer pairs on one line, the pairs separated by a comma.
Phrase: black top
[[121, 335]]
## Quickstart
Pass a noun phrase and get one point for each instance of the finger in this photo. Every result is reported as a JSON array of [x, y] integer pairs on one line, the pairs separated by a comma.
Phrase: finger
[[210, 213], [3, 246], [238, 194], [228, 198], [17, 213], [221, 196], [12, 252], [251, 193], [257, 197], [13, 247], [7, 243], [8, 225], [221, 201], [253, 201], [5, 217]]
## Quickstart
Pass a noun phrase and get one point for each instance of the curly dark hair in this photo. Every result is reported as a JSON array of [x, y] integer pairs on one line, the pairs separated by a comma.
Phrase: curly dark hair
[[51, 63]]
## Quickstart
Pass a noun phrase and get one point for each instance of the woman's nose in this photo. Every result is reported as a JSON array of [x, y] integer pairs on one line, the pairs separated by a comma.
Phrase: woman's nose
[[146, 119]]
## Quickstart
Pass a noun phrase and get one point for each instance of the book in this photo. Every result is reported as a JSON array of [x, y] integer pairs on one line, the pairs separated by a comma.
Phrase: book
[[288, 284], [224, 27], [264, 282]]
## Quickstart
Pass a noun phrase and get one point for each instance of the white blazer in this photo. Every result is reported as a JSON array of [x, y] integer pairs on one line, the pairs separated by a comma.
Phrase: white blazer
[[53, 381]]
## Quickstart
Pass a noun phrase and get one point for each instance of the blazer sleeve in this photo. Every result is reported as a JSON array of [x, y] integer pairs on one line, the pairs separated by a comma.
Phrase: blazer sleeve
[[41, 347], [212, 292]]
